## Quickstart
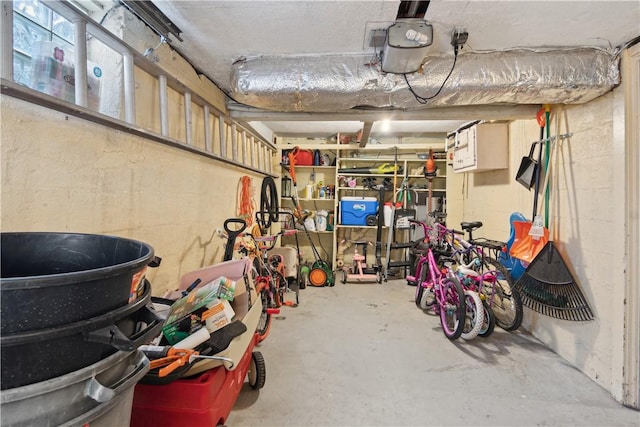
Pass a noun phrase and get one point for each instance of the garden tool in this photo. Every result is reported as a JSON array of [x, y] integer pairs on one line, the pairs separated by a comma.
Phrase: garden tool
[[382, 169]]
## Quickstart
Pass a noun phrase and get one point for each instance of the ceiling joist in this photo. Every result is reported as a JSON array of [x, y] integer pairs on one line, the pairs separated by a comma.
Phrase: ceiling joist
[[365, 133], [485, 112]]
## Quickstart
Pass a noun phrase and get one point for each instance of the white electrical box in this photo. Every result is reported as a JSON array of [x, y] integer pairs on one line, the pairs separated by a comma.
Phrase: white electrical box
[[406, 46], [481, 147]]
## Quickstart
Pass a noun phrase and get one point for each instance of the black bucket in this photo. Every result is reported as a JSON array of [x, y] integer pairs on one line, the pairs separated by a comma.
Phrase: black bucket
[[51, 279], [35, 356]]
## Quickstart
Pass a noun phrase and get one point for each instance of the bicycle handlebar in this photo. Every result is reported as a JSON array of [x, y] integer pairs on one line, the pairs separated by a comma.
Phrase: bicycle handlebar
[[270, 239]]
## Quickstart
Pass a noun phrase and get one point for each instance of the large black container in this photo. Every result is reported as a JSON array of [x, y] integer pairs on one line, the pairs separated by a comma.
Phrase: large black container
[[51, 279], [34, 356]]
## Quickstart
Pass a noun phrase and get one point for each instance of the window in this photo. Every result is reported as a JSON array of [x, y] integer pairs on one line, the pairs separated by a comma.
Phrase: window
[[37, 31]]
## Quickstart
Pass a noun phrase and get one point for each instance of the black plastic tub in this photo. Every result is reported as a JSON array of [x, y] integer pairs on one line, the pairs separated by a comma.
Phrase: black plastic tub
[[51, 279], [35, 356]]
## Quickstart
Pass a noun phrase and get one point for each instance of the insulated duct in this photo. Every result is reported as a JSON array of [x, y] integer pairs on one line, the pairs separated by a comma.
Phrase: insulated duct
[[339, 83]]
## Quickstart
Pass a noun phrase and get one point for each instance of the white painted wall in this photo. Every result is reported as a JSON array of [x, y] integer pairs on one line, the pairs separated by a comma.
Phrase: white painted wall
[[61, 173], [589, 233]]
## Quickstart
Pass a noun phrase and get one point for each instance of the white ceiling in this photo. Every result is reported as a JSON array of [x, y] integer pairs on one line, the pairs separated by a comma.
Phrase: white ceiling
[[218, 32]]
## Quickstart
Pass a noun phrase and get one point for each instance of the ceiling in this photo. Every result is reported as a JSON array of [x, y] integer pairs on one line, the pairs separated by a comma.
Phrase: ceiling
[[218, 33]]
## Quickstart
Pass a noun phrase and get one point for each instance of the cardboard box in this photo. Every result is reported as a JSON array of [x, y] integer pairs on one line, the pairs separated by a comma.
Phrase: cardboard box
[[201, 306], [355, 210]]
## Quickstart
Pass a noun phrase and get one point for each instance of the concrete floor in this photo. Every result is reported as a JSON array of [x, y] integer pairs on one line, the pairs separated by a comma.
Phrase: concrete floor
[[365, 355]]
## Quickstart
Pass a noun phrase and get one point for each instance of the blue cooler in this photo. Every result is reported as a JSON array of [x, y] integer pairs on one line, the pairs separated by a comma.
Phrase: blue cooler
[[355, 210]]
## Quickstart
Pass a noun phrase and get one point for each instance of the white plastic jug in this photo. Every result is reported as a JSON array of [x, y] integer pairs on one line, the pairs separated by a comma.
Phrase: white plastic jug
[[310, 224], [387, 214], [321, 220]]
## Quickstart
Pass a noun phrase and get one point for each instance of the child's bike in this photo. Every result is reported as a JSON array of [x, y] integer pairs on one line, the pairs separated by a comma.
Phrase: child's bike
[[436, 288], [474, 313]]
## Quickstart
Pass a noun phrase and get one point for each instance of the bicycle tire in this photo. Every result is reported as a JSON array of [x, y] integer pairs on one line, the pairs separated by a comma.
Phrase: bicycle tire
[[418, 296], [489, 323], [264, 323], [269, 208], [280, 283], [424, 297], [452, 314], [474, 315], [303, 276], [506, 303]]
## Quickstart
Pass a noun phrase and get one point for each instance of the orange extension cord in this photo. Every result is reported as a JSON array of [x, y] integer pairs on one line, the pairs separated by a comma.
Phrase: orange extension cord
[[246, 203]]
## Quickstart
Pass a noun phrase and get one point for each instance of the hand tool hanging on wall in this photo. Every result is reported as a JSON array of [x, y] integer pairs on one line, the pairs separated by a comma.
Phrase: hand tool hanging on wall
[[430, 172], [529, 167], [547, 286], [547, 149], [385, 168], [525, 246]]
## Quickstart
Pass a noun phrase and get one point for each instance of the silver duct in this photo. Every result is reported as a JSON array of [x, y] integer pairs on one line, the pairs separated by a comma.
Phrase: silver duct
[[339, 83]]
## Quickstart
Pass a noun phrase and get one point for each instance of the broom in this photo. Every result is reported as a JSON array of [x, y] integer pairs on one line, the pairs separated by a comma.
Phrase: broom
[[548, 287]]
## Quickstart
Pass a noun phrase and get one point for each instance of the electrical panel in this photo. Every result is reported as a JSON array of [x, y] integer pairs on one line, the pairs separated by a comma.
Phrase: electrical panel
[[481, 147]]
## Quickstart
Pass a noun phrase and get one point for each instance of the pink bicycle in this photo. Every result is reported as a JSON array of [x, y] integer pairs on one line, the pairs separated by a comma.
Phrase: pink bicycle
[[441, 291]]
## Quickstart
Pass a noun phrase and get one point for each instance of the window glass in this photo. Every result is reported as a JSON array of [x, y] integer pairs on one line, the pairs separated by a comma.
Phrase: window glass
[[26, 34], [35, 11], [63, 28], [43, 50], [21, 69], [64, 45]]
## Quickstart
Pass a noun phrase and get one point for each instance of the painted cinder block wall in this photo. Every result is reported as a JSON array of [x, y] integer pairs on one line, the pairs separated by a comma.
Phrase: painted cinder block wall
[[588, 190], [62, 173]]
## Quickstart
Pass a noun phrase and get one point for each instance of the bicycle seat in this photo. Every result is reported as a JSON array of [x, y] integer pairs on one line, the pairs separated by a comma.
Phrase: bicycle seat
[[470, 226]]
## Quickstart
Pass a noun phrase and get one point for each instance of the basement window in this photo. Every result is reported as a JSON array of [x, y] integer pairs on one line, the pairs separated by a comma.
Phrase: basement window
[[43, 53], [47, 37], [36, 28]]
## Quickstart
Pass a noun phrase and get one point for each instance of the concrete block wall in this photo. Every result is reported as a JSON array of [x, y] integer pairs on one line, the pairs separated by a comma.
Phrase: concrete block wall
[[588, 191], [61, 173]]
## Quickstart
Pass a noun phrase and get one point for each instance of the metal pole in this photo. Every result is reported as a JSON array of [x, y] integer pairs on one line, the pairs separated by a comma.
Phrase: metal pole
[[207, 128], [223, 137], [80, 74], [164, 106], [129, 88], [188, 122]]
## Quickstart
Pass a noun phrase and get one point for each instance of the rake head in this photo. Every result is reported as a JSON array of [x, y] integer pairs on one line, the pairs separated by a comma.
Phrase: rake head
[[548, 287]]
